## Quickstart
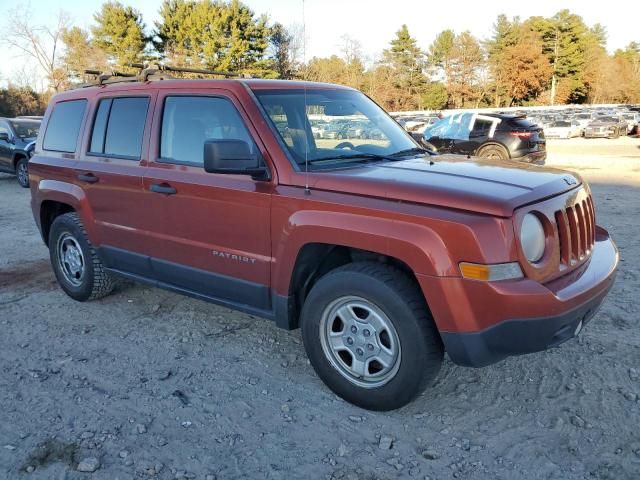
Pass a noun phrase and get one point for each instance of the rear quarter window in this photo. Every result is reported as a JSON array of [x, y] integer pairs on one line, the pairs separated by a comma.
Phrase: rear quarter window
[[64, 125]]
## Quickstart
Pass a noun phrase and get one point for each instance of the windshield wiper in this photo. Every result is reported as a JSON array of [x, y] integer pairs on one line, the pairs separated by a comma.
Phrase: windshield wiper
[[409, 151], [356, 157]]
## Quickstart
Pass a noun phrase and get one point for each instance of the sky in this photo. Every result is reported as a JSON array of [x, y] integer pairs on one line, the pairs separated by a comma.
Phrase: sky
[[372, 22]]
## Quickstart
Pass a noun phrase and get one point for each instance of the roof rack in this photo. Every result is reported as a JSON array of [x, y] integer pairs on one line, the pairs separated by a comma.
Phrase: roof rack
[[151, 72]]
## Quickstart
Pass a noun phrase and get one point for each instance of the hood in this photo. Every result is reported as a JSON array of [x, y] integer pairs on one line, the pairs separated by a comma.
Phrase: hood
[[478, 185]]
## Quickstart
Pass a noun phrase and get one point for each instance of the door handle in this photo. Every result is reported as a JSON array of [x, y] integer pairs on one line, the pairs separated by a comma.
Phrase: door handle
[[88, 178], [163, 188]]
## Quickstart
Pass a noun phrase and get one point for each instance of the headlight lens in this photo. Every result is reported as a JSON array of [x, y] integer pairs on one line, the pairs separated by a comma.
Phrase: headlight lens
[[532, 238]]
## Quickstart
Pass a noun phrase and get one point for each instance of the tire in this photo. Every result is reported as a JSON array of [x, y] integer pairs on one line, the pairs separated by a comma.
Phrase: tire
[[22, 172], [372, 293], [79, 272], [494, 151]]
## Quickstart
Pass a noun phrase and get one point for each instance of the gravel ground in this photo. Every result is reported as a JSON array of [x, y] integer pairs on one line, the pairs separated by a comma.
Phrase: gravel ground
[[148, 384]]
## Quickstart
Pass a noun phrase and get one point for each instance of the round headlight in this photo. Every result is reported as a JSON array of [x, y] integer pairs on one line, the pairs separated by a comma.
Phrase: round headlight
[[532, 237]]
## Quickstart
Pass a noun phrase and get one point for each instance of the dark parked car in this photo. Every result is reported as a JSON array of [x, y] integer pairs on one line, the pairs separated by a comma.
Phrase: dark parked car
[[17, 141], [490, 135], [606, 127]]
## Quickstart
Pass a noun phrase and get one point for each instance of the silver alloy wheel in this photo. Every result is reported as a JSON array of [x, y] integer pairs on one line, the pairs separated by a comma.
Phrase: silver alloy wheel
[[23, 173], [360, 341], [70, 259]]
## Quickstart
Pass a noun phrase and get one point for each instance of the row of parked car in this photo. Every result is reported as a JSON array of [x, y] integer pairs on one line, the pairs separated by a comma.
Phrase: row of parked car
[[588, 123], [518, 134], [345, 129], [565, 122]]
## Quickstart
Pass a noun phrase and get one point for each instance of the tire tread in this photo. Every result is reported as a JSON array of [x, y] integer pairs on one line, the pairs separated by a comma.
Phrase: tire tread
[[402, 290], [102, 282]]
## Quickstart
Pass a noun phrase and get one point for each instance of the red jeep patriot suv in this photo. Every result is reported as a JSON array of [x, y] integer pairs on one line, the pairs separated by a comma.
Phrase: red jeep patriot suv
[[384, 254]]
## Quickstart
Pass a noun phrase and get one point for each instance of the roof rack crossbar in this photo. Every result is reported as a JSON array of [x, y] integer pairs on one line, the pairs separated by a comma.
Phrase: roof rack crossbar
[[150, 72], [201, 71]]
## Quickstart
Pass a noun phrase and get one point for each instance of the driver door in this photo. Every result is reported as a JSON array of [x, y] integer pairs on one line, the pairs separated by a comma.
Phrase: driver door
[[6, 150]]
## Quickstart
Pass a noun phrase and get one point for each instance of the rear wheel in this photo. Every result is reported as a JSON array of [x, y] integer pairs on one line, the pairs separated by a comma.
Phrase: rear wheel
[[75, 262], [493, 152], [370, 337], [22, 172]]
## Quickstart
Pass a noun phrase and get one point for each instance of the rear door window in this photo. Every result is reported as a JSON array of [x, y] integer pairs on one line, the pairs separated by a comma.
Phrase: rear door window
[[64, 126], [187, 122], [118, 127], [481, 128]]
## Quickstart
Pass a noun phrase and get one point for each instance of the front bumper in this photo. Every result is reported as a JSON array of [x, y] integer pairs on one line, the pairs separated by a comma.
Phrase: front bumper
[[484, 322], [598, 134]]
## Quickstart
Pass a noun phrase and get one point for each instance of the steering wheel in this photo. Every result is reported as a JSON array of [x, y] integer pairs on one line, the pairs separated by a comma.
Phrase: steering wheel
[[346, 145]]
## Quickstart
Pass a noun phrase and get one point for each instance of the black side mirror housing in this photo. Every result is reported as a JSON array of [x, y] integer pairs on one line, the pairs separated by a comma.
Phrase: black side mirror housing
[[4, 136], [233, 157]]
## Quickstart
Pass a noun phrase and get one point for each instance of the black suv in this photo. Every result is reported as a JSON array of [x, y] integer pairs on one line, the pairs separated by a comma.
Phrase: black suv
[[488, 135], [17, 141]]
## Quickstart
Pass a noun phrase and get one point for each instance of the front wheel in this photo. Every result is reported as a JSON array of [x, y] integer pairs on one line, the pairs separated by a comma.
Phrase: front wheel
[[370, 337], [22, 172]]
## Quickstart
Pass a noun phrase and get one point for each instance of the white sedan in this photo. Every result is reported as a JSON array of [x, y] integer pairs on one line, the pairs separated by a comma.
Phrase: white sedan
[[563, 129]]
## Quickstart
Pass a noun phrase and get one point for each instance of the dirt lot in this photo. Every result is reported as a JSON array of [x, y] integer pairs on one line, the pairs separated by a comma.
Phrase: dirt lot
[[154, 385]]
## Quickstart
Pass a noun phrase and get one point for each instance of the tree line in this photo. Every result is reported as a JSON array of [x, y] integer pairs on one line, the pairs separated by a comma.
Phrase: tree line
[[539, 60]]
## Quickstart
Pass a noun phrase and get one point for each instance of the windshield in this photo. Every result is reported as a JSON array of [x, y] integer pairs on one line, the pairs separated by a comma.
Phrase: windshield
[[337, 125], [561, 123], [26, 128]]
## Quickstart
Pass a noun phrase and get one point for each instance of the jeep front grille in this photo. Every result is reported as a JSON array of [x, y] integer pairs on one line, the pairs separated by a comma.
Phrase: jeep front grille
[[576, 231]]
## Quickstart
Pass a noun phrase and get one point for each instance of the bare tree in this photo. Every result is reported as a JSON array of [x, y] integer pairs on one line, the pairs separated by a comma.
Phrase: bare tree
[[40, 43], [351, 49], [296, 45]]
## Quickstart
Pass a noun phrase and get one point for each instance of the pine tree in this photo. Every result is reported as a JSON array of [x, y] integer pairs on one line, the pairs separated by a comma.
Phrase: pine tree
[[119, 32], [563, 38], [280, 40], [213, 34], [80, 53], [407, 61], [439, 56]]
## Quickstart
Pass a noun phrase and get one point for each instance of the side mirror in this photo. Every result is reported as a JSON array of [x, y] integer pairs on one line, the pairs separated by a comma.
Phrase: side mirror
[[4, 136], [232, 157]]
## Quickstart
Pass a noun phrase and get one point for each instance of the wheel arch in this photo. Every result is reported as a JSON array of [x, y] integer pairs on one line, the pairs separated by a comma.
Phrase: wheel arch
[[17, 156], [57, 198], [493, 143], [312, 250]]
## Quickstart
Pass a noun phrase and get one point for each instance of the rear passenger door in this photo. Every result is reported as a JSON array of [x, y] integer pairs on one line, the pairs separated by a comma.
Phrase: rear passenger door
[[110, 173], [211, 232]]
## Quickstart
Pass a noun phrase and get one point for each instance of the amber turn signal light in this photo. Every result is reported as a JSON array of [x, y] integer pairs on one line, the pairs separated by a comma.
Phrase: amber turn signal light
[[489, 273]]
